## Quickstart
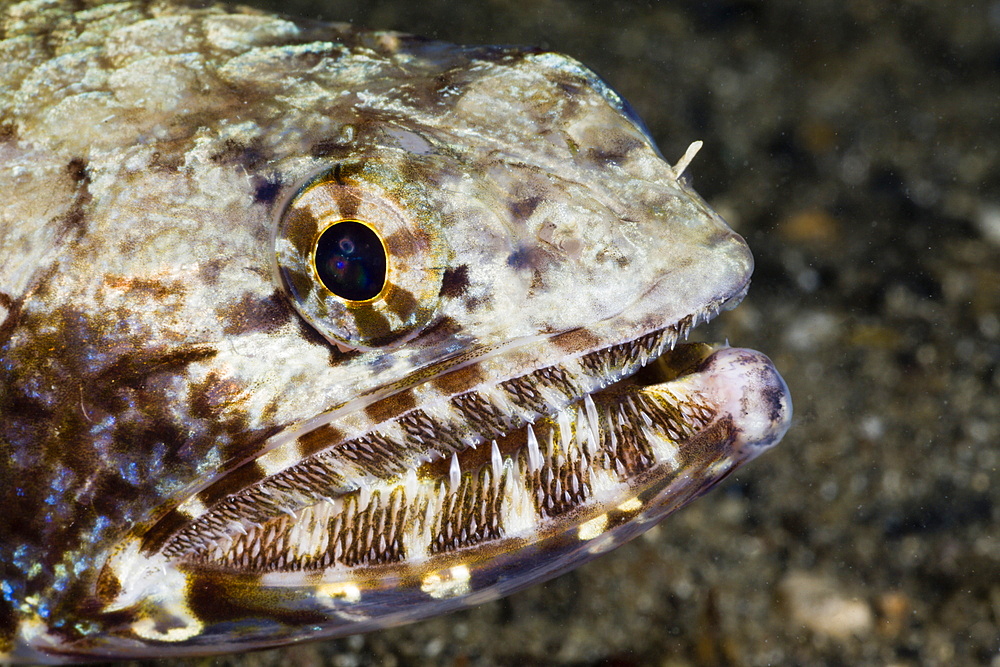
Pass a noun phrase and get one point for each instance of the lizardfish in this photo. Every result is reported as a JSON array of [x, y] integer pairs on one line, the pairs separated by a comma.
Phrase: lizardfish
[[307, 331]]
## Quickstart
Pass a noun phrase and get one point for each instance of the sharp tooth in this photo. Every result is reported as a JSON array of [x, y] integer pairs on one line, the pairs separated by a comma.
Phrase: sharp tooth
[[495, 459], [454, 473], [410, 483], [588, 404], [565, 431], [534, 456], [613, 432]]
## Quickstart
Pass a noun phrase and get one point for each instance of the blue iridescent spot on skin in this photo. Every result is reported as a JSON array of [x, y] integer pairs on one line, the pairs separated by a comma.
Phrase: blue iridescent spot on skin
[[130, 473], [101, 525], [21, 559]]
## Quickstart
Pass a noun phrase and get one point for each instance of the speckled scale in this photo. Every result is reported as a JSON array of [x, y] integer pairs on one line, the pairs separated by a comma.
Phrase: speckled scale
[[205, 447]]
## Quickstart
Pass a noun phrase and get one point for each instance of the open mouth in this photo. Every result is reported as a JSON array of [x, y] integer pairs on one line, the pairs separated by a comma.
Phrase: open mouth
[[587, 451]]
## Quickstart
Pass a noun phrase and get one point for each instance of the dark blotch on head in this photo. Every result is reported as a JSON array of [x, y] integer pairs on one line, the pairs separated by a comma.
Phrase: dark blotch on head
[[401, 302], [266, 189], [460, 380], [235, 480], [108, 586], [134, 370], [319, 439], [578, 340], [615, 154], [167, 161], [526, 257], [210, 398], [210, 270], [10, 321], [297, 283], [330, 148], [571, 88], [442, 329], [402, 244], [775, 397], [347, 201], [250, 156], [77, 170], [709, 444], [455, 281], [159, 290], [8, 132], [73, 220], [253, 314], [391, 407], [523, 208]]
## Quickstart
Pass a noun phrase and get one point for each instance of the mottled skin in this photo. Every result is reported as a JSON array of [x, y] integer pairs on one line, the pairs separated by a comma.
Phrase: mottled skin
[[185, 417]]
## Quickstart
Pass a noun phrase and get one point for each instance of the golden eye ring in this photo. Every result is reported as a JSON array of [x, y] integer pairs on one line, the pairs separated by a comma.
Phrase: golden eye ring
[[360, 254]]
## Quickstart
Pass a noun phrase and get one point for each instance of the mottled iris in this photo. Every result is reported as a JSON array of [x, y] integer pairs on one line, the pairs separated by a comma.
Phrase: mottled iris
[[351, 261]]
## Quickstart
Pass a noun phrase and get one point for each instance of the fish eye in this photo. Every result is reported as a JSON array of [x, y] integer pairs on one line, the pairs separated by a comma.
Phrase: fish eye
[[350, 260], [358, 252]]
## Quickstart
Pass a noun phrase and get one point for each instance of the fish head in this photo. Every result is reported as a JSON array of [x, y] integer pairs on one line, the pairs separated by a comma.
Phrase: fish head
[[327, 332]]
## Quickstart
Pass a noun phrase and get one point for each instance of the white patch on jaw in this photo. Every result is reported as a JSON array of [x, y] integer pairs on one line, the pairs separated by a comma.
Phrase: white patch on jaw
[[153, 577], [630, 505], [150, 628], [448, 583], [280, 458], [333, 594], [192, 507], [591, 529]]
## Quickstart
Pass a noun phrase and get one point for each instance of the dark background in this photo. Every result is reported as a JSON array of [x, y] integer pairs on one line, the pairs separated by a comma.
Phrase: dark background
[[855, 145]]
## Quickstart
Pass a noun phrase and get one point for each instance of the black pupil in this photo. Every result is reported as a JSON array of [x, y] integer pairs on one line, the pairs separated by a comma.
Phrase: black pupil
[[350, 261]]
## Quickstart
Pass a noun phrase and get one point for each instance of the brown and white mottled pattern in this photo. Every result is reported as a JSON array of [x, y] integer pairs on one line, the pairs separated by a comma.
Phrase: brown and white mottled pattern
[[202, 448]]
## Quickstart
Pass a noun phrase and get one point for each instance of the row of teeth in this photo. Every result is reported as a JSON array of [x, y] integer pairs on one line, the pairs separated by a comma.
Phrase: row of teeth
[[247, 511], [410, 518]]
